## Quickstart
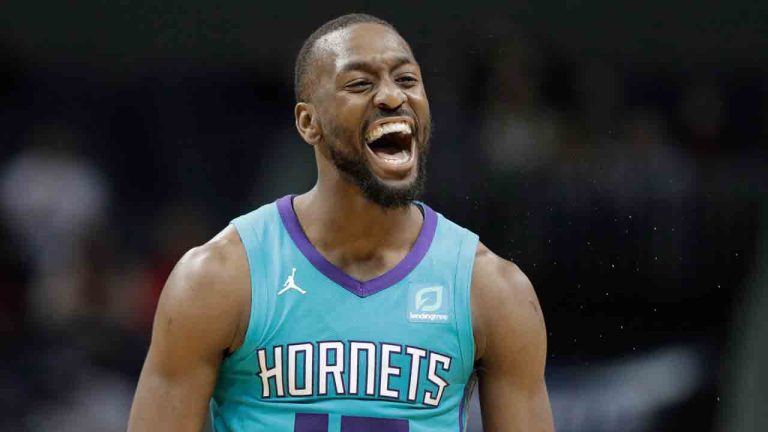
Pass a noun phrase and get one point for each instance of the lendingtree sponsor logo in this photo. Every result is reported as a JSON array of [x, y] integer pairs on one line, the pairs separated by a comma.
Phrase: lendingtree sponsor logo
[[428, 304], [429, 299]]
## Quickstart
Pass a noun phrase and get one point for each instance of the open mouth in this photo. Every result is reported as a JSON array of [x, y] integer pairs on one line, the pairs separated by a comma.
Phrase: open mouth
[[392, 143]]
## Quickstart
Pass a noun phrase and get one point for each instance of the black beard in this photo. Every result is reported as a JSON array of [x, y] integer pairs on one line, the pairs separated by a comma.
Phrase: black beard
[[355, 169]]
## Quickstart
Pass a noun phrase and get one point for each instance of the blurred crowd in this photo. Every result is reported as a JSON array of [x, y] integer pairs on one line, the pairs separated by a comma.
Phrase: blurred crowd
[[632, 195]]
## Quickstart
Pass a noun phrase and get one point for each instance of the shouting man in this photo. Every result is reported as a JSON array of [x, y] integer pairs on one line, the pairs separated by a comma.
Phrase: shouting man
[[352, 307]]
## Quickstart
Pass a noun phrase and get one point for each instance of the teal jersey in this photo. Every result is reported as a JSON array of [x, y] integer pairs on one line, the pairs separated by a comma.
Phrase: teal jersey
[[325, 352]]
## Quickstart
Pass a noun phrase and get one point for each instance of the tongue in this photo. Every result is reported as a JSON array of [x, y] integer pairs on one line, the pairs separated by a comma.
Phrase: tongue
[[385, 150], [392, 154]]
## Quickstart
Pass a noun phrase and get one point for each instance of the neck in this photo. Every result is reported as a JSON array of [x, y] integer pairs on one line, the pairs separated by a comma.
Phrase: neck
[[348, 228]]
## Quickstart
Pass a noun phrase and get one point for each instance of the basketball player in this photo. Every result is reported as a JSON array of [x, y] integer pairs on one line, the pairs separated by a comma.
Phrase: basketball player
[[352, 307]]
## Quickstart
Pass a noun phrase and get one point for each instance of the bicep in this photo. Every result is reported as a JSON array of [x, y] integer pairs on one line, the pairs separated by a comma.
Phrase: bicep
[[192, 329], [513, 393]]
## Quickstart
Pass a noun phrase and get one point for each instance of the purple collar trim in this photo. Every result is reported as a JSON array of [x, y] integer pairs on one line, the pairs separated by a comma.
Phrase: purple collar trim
[[361, 289]]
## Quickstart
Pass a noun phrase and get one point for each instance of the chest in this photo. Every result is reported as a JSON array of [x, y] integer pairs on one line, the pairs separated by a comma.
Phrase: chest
[[320, 340]]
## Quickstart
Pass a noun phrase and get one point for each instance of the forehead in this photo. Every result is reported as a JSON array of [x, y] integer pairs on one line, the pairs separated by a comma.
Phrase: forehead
[[367, 42]]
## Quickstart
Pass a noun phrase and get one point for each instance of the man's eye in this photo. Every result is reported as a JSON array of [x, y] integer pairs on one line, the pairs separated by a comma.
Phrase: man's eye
[[358, 85], [407, 80]]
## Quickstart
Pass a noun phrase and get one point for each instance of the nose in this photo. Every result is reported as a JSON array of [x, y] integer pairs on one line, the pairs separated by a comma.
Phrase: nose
[[389, 96]]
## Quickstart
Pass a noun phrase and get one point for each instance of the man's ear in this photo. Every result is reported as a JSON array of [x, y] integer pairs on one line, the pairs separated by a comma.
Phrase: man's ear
[[307, 123]]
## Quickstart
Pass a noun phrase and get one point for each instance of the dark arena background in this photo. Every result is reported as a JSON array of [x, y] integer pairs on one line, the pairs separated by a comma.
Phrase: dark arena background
[[616, 151]]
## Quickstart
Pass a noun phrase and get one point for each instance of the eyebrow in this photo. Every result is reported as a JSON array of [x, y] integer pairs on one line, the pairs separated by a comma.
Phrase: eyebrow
[[368, 67]]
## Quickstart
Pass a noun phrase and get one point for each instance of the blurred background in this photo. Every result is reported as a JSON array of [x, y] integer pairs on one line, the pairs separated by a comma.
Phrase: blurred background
[[616, 152]]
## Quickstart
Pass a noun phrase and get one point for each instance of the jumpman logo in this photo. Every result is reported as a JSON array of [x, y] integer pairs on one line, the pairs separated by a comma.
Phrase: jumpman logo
[[290, 283]]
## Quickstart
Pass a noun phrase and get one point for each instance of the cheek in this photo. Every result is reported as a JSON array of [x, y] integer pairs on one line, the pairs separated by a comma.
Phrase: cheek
[[340, 133], [420, 105], [419, 101], [349, 112]]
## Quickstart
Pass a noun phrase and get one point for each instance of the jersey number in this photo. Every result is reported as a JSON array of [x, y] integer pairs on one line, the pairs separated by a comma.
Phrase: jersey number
[[319, 423]]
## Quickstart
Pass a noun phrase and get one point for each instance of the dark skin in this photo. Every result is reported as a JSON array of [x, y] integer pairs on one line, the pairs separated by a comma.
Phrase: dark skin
[[204, 308]]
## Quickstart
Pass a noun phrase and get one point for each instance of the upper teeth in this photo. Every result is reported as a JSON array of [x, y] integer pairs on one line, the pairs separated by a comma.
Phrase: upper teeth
[[387, 128]]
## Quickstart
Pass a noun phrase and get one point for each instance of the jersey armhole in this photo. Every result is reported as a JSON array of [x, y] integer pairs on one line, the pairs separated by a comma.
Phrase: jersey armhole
[[462, 304], [249, 238]]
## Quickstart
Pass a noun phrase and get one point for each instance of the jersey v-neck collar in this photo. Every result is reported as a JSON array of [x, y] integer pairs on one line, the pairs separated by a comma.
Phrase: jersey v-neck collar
[[359, 288]]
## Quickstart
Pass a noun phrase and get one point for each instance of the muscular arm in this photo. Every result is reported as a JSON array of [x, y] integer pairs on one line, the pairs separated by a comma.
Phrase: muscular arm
[[200, 316], [511, 347]]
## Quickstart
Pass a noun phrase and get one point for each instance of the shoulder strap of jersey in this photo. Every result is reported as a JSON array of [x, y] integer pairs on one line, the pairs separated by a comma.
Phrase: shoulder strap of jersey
[[463, 286], [255, 229]]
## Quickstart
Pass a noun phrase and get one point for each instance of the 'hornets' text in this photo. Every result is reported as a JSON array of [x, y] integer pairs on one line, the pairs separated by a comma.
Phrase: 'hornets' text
[[359, 369]]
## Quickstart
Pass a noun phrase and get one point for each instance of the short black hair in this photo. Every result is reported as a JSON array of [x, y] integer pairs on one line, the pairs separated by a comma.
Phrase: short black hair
[[306, 53]]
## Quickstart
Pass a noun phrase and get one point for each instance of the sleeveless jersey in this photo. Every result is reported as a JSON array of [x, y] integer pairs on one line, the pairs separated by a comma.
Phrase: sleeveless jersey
[[324, 352]]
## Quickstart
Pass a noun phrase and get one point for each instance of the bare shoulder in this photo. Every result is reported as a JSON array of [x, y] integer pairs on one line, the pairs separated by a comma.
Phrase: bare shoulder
[[221, 259], [209, 287], [198, 319], [510, 347], [505, 308]]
